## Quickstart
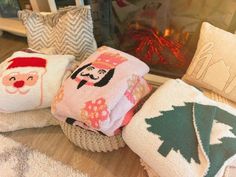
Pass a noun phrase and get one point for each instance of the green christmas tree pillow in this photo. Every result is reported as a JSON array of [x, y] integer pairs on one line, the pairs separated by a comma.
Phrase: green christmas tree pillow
[[180, 132]]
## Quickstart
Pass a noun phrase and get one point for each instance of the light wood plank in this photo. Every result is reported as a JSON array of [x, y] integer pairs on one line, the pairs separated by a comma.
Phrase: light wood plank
[[12, 25], [40, 5], [155, 80]]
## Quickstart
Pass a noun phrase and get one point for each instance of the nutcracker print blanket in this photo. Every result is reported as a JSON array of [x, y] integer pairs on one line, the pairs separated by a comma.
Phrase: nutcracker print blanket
[[180, 132], [101, 93]]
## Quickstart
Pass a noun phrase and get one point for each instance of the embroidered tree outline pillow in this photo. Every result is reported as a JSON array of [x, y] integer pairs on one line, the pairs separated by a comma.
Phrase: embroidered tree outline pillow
[[214, 66]]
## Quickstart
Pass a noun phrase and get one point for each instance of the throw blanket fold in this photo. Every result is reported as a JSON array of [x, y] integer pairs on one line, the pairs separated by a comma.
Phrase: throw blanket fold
[[211, 123], [198, 125], [190, 135], [101, 92]]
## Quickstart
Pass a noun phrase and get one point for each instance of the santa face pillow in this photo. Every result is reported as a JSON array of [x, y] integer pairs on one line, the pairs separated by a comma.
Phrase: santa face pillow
[[30, 80]]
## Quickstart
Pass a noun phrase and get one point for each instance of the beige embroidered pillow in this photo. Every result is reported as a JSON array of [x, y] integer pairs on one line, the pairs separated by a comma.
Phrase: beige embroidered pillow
[[214, 64], [69, 31]]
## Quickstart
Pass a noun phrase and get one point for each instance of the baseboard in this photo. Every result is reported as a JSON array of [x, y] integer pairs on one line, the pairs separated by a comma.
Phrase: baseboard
[[155, 80]]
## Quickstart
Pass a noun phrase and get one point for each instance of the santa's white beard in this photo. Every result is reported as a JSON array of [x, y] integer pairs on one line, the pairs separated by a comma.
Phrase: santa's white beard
[[21, 99], [12, 90]]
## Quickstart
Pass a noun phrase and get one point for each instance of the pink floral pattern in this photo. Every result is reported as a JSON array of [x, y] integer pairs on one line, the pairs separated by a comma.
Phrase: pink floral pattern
[[59, 96], [94, 112]]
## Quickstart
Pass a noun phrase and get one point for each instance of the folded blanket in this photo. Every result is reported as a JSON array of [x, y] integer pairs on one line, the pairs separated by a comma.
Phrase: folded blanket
[[101, 93], [180, 132]]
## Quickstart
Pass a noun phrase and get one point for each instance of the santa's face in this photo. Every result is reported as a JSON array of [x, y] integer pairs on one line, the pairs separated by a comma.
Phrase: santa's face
[[92, 74], [17, 82], [21, 83]]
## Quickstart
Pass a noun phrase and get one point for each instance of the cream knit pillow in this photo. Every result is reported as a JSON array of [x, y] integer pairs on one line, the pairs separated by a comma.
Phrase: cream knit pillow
[[181, 133], [30, 80], [26, 119], [214, 64], [69, 31]]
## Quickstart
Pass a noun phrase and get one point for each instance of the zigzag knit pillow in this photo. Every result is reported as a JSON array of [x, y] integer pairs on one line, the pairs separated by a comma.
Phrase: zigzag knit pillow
[[69, 31]]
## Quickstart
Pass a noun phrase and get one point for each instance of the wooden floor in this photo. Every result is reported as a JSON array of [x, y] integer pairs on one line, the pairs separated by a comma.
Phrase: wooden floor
[[52, 142]]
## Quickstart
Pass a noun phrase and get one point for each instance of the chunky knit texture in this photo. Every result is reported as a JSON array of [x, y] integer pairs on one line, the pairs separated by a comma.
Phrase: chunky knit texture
[[91, 141], [69, 31]]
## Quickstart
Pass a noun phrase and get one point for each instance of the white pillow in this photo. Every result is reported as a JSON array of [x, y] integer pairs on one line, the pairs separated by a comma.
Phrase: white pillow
[[181, 133], [26, 119], [29, 81]]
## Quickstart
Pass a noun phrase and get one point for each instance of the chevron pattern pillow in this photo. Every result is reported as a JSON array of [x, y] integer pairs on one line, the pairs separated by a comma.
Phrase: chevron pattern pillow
[[69, 31]]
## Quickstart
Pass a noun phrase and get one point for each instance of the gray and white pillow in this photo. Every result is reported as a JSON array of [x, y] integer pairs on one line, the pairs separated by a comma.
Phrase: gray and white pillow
[[69, 31]]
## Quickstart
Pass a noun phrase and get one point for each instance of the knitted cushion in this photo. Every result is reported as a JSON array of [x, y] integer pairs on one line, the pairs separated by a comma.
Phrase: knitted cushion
[[69, 31], [231, 169], [26, 119], [214, 66], [92, 141], [180, 132], [29, 80]]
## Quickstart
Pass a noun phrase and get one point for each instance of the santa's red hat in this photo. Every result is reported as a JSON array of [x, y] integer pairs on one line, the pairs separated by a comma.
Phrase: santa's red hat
[[27, 62]]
